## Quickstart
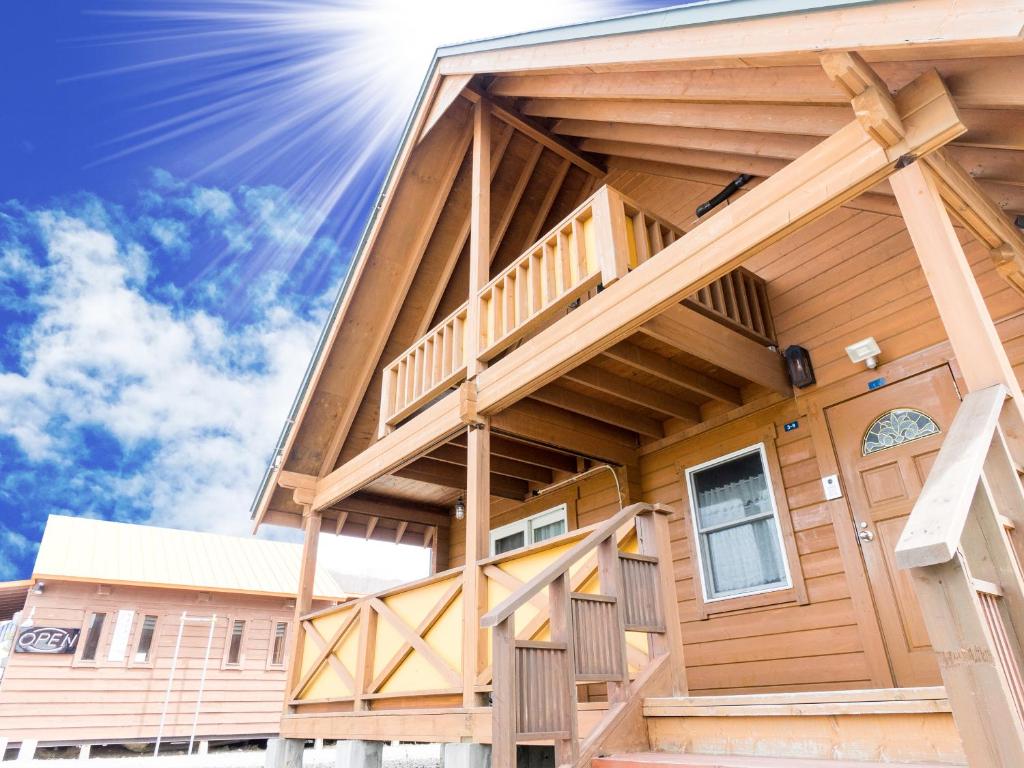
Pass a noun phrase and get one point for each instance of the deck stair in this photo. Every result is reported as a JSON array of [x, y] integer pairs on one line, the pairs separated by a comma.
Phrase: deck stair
[[815, 729], [665, 760]]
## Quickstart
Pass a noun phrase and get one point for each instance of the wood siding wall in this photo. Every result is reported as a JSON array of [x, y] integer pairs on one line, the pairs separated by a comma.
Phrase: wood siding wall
[[851, 275], [60, 698]]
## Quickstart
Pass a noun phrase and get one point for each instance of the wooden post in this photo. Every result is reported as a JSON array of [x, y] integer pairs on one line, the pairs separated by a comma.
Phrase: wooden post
[[611, 238], [654, 538], [474, 593], [559, 596], [972, 334], [307, 576], [503, 714], [479, 232]]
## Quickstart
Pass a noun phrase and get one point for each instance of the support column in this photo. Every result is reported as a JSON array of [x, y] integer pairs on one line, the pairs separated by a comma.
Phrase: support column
[[307, 575], [479, 231], [478, 525], [359, 754], [968, 324], [466, 756], [27, 750], [284, 753]]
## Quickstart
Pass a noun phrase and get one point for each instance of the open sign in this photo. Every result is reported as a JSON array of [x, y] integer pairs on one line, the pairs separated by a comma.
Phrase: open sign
[[47, 640]]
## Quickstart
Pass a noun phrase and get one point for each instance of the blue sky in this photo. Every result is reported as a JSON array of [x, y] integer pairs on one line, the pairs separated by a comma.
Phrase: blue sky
[[182, 186]]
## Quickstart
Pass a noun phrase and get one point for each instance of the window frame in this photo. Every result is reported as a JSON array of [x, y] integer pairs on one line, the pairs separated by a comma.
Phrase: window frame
[[712, 450], [750, 450], [526, 525], [285, 646], [143, 614], [101, 641], [246, 627]]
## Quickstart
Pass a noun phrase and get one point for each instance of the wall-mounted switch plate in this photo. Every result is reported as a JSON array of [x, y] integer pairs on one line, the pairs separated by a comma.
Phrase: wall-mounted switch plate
[[831, 485]]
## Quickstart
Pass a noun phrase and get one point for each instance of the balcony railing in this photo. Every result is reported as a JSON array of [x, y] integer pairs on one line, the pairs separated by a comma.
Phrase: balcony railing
[[598, 243]]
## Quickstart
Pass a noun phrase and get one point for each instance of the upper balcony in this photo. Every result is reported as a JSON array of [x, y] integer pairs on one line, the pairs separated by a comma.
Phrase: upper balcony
[[601, 241]]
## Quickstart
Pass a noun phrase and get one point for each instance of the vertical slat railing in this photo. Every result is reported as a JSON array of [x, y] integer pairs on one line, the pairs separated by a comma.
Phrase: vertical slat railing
[[967, 574], [535, 682]]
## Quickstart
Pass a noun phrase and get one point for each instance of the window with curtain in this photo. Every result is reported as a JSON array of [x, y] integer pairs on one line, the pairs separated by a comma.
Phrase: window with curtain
[[235, 642], [145, 646], [278, 643], [736, 526]]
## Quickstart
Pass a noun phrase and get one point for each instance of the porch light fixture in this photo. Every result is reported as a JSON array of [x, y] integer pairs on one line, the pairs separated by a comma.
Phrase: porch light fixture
[[38, 588], [460, 508], [864, 351], [798, 366]]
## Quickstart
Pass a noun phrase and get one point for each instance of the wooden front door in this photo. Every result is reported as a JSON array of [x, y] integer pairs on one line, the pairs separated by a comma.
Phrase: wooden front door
[[886, 442]]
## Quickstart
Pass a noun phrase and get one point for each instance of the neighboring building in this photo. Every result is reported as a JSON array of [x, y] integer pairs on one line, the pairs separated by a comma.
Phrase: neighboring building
[[572, 298], [99, 635]]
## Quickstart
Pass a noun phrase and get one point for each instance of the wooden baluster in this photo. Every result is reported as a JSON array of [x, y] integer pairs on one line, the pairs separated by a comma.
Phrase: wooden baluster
[[459, 341], [564, 262], [717, 299], [505, 694], [447, 363], [657, 240], [578, 249], [401, 396], [610, 578], [757, 311], [508, 292], [654, 539], [732, 310], [523, 292], [744, 299], [564, 695], [765, 309], [643, 246]]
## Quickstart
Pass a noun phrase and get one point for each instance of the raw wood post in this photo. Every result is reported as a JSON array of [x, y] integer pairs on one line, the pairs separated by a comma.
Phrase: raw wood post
[[307, 575], [610, 580], [364, 655], [479, 233], [566, 749], [972, 334], [610, 236], [474, 587], [503, 714], [654, 539]]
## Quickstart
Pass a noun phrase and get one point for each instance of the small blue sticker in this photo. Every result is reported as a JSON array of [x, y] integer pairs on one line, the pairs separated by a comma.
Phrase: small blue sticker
[[789, 426], [876, 383]]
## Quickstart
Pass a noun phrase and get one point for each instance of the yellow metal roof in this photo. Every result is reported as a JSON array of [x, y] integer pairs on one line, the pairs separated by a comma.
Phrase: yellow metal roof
[[83, 549]]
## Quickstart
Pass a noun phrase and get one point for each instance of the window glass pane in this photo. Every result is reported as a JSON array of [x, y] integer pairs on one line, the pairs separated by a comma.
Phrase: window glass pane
[[549, 531], [731, 491], [235, 646], [735, 516], [510, 542], [145, 639], [92, 636], [277, 654]]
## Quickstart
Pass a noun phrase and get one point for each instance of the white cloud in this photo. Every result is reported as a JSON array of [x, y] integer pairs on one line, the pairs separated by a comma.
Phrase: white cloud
[[190, 403]]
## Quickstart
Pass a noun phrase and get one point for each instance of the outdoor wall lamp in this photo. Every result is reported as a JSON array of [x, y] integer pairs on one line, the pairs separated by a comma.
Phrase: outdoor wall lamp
[[864, 351], [460, 508], [38, 588], [798, 366]]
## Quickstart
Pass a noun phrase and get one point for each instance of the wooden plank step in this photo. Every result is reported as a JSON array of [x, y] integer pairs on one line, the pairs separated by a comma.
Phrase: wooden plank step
[[673, 760], [856, 702]]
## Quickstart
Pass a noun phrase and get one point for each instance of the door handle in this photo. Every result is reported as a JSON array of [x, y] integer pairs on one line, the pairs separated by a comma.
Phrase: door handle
[[863, 533]]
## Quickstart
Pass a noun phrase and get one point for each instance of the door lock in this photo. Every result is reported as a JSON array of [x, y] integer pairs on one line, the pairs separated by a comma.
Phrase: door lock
[[863, 533]]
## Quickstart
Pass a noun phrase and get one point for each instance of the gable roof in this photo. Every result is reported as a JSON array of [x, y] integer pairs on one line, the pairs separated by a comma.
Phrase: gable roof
[[83, 549], [725, 37]]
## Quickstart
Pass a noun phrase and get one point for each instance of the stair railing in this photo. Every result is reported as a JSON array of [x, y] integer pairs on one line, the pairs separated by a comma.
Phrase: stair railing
[[962, 547], [534, 682]]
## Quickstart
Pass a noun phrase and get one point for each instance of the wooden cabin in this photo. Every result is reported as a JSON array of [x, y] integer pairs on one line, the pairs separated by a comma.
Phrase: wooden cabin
[[690, 345], [138, 634]]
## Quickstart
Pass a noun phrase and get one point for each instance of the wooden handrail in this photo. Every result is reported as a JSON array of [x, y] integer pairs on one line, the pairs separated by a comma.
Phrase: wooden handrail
[[562, 565], [395, 590], [936, 525]]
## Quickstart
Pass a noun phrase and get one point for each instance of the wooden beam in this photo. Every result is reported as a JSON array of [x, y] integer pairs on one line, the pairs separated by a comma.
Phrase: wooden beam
[[837, 170], [927, 27], [311, 521], [869, 95], [632, 391], [393, 509], [448, 91], [442, 473], [478, 525], [370, 525], [479, 231], [538, 133], [453, 453], [967, 200], [695, 334], [526, 453], [972, 334], [400, 532], [544, 208], [652, 363], [570, 400], [720, 161], [974, 82]]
